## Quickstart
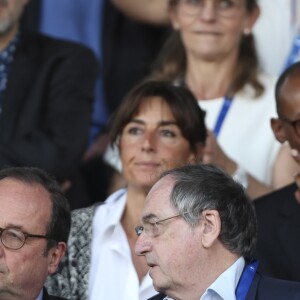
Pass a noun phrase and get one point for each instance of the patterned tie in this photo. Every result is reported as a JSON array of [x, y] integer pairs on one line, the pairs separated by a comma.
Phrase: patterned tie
[[6, 59]]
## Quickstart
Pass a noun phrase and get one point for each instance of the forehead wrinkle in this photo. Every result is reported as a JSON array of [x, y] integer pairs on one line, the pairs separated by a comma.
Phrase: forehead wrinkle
[[14, 226]]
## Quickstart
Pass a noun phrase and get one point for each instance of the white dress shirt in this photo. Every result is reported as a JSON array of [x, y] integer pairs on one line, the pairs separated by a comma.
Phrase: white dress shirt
[[112, 274], [247, 125], [223, 288]]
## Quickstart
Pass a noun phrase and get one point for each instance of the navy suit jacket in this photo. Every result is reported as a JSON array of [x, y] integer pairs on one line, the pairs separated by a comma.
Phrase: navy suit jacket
[[265, 288], [278, 245]]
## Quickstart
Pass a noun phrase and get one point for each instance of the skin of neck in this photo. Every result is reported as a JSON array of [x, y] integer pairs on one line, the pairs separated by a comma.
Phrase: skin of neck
[[216, 261], [210, 79]]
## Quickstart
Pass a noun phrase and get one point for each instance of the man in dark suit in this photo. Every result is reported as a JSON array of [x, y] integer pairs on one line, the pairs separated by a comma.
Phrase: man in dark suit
[[34, 228], [278, 213], [197, 228], [46, 96]]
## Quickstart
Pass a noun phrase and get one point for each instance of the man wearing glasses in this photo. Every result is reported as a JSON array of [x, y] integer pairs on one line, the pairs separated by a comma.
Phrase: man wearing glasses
[[198, 227], [278, 213], [34, 228]]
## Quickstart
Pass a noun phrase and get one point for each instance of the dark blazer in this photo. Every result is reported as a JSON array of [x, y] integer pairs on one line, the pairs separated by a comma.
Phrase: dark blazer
[[278, 246], [47, 105], [265, 288]]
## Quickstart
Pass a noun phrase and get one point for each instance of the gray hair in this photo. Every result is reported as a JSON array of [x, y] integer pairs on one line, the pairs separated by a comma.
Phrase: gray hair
[[201, 187]]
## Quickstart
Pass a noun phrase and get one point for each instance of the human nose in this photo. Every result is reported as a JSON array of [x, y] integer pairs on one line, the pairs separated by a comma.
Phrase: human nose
[[142, 245], [148, 143], [208, 11]]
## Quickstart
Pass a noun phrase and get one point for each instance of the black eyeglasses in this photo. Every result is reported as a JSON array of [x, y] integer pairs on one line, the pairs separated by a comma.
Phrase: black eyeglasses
[[294, 123], [152, 228], [14, 239]]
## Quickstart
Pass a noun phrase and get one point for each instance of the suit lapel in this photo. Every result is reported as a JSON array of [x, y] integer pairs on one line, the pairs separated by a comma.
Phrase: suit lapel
[[20, 77], [289, 228], [253, 288]]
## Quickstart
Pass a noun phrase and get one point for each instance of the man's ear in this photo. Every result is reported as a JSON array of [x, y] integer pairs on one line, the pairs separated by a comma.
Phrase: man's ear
[[211, 227], [278, 130], [55, 255]]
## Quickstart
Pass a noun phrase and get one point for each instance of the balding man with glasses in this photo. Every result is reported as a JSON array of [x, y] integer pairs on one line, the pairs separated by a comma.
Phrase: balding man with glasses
[[197, 231], [34, 228]]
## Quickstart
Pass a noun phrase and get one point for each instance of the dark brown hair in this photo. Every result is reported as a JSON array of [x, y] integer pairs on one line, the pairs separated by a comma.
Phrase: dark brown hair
[[183, 105]]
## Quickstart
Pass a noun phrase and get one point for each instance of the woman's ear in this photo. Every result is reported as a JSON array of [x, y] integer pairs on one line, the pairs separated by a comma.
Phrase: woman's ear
[[251, 19], [211, 227], [278, 130], [173, 16], [199, 152]]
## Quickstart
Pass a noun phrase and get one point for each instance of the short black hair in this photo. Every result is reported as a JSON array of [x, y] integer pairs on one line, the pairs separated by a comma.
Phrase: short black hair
[[291, 71]]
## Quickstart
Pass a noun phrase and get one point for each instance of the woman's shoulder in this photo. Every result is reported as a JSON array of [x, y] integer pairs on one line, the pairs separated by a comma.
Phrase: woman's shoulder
[[116, 196], [268, 82]]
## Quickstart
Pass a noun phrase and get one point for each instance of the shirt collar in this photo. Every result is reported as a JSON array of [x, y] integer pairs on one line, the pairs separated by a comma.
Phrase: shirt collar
[[113, 209], [225, 285]]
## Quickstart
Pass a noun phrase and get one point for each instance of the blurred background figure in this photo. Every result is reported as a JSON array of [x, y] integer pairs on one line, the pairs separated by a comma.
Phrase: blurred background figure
[[157, 127], [46, 97], [276, 31], [125, 50], [212, 52]]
